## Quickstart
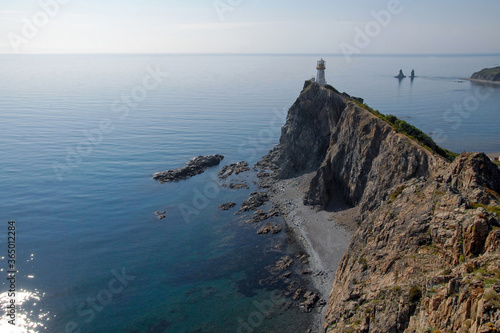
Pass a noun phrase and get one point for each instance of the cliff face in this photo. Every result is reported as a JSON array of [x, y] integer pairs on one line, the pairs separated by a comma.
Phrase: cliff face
[[426, 256], [354, 152], [425, 260]]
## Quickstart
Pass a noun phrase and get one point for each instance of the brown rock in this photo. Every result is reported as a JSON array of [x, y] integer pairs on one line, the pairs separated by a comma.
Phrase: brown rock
[[227, 206], [268, 228]]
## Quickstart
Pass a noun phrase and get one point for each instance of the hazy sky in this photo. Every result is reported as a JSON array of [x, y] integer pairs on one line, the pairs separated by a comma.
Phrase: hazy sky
[[249, 26]]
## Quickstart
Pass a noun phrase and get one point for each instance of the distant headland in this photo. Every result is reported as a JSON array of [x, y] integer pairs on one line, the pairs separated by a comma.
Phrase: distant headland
[[491, 75]]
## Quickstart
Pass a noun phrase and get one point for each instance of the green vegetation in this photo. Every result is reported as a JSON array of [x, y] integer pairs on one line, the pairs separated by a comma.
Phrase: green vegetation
[[327, 86], [364, 263], [488, 74], [497, 163], [491, 209], [307, 84], [399, 125], [491, 296], [415, 294], [447, 271], [396, 193], [411, 131]]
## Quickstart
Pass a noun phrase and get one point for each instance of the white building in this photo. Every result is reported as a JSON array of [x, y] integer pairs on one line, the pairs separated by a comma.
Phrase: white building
[[320, 77]]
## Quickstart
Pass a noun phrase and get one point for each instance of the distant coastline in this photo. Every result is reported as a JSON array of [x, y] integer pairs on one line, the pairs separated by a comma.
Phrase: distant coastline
[[487, 75], [482, 81]]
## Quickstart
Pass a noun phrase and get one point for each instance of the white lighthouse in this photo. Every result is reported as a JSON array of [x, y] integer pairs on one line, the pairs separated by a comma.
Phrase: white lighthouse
[[320, 77]]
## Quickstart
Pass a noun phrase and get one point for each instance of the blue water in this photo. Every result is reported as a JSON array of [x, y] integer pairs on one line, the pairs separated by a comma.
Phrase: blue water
[[77, 162]]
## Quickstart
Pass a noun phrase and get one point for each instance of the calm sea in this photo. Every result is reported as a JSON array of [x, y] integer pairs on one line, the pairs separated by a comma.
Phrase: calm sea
[[80, 137]]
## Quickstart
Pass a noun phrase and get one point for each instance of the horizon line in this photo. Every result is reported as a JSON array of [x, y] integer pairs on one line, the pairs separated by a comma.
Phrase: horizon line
[[265, 54]]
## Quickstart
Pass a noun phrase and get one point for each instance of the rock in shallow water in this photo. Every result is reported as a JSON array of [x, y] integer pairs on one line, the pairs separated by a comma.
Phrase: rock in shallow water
[[269, 228], [194, 167], [235, 168], [227, 206], [256, 200]]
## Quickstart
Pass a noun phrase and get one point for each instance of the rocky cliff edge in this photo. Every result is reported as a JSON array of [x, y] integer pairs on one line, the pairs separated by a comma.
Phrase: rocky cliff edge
[[426, 255]]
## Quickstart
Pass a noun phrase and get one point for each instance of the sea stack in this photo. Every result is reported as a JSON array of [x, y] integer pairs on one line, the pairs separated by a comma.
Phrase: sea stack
[[400, 75]]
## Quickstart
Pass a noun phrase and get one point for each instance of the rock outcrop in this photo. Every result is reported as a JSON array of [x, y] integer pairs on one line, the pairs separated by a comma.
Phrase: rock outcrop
[[194, 167], [426, 258], [426, 255], [354, 152], [400, 75], [487, 74]]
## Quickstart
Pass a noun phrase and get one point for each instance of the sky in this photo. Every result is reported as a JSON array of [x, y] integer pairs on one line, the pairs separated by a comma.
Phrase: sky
[[250, 26]]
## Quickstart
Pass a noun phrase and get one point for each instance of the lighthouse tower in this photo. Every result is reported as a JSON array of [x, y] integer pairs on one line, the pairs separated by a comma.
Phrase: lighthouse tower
[[320, 77]]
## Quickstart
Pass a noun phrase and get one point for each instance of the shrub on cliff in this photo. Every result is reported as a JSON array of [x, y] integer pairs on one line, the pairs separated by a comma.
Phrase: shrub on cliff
[[411, 131]]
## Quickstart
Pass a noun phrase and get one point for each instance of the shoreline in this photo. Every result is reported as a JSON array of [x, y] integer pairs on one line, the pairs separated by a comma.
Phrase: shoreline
[[482, 81], [325, 235]]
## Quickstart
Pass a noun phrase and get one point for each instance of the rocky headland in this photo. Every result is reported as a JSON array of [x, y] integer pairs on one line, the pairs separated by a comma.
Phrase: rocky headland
[[487, 75], [425, 253]]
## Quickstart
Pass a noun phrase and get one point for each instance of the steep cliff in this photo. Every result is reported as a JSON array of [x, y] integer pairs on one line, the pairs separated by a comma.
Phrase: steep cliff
[[426, 256], [354, 152], [426, 260]]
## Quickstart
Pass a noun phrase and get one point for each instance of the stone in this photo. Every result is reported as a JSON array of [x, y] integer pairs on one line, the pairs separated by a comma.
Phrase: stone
[[310, 299], [283, 263], [269, 228], [237, 186], [227, 206], [234, 168], [194, 167], [255, 200], [160, 215]]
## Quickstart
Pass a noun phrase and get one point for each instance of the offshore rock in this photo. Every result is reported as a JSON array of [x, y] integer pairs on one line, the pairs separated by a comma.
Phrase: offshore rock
[[227, 206], [194, 167], [234, 168], [400, 75]]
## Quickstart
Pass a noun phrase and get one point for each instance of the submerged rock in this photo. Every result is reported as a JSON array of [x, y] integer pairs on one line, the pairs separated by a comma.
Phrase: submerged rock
[[234, 168], [283, 263], [269, 228], [237, 186], [194, 167], [160, 215]]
